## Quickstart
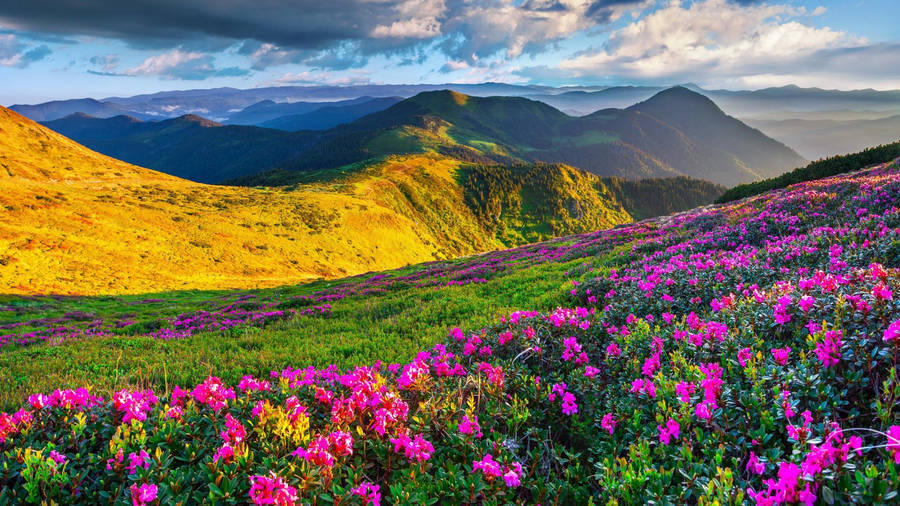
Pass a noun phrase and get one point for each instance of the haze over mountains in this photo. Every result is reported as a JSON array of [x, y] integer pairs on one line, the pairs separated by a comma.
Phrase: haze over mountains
[[71, 211], [677, 132]]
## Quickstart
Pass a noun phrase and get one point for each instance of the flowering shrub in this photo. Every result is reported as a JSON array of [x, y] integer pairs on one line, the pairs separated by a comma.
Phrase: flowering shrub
[[740, 354]]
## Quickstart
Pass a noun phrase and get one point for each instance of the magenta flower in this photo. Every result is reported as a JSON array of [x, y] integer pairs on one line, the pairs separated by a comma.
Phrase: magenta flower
[[512, 476], [893, 442], [893, 331], [470, 427], [143, 494], [829, 349], [271, 489], [672, 430], [609, 422], [755, 465], [569, 406], [488, 466], [743, 356], [369, 492], [781, 355], [138, 460]]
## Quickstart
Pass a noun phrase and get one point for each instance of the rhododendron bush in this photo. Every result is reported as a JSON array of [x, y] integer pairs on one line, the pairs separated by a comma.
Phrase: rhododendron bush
[[745, 353]]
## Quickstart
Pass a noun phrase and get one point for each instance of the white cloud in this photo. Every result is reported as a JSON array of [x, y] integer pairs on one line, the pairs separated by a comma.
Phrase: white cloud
[[180, 64], [325, 77], [14, 53], [164, 64], [712, 37]]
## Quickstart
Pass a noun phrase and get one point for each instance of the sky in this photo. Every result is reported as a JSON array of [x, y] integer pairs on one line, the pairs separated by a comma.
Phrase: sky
[[57, 49]]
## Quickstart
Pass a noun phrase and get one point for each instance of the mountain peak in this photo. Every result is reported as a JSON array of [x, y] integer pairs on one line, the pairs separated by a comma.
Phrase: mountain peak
[[677, 100], [193, 118]]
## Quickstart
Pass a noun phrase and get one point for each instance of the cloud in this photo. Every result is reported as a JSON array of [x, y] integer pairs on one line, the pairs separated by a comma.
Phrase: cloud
[[177, 64], [326, 77], [707, 38], [14, 53], [294, 30], [108, 62]]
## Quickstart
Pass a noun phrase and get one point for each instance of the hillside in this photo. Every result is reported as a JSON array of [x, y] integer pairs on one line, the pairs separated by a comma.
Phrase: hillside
[[730, 354], [330, 116], [100, 225], [189, 147], [653, 139]]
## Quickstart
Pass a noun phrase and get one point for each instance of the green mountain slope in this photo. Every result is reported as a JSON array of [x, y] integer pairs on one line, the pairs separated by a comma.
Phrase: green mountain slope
[[657, 138], [189, 147]]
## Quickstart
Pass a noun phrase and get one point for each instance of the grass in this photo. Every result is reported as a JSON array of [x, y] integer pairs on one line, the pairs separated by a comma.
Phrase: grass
[[389, 327]]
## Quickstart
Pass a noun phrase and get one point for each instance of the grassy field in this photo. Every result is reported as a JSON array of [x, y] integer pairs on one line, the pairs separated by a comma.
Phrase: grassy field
[[390, 325]]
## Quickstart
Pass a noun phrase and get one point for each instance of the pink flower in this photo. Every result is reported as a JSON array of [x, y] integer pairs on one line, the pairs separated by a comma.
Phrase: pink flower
[[417, 449], [213, 393], [893, 331], [488, 466], [743, 356], [893, 442], [882, 292], [470, 426], [613, 350], [369, 492], [144, 494], [672, 430], [755, 465], [591, 371], [224, 453], [806, 303], [609, 422], [684, 390], [781, 355], [569, 407], [829, 349], [136, 460], [271, 489], [512, 476]]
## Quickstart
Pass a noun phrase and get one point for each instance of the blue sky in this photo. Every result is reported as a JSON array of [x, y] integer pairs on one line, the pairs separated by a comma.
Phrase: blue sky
[[52, 49]]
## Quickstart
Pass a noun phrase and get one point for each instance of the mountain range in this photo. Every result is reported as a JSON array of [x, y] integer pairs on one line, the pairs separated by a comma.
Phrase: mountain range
[[220, 104], [677, 132], [70, 211]]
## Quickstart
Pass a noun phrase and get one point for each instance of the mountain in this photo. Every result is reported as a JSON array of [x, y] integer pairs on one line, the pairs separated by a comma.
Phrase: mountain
[[220, 104], [580, 102], [331, 116], [76, 221], [702, 120], [821, 138], [189, 147], [653, 139], [56, 109], [268, 110]]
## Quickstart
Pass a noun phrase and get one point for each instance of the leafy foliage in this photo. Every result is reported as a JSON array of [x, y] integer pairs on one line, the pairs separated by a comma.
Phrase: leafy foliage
[[816, 170]]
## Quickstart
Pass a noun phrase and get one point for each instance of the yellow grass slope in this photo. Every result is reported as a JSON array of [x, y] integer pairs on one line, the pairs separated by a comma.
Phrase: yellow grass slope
[[74, 221]]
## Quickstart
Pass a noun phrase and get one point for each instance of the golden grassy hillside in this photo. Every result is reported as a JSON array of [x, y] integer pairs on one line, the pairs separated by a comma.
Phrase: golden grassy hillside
[[78, 222], [75, 221]]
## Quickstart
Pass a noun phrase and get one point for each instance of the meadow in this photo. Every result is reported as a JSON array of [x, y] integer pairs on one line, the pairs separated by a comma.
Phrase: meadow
[[738, 353]]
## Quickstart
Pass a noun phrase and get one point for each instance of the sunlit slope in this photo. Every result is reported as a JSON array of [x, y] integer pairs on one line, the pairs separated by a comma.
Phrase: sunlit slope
[[75, 221], [78, 222]]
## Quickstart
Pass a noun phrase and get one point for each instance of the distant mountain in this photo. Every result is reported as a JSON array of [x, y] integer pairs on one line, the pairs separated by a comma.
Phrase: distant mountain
[[189, 147], [821, 138], [653, 139], [796, 99], [579, 103], [78, 222], [268, 110], [220, 104], [49, 111], [331, 116]]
